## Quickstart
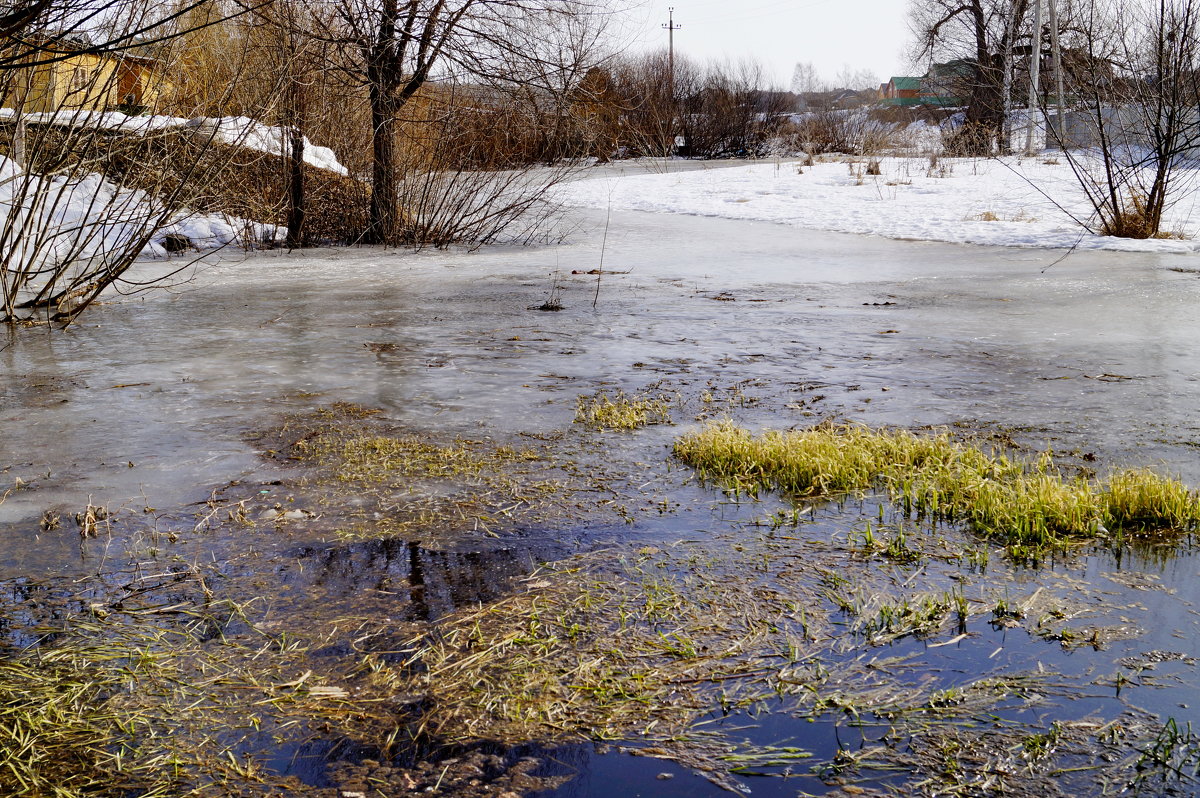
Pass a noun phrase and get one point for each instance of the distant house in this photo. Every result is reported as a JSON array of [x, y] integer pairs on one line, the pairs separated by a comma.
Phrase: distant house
[[901, 90], [85, 81], [945, 85], [937, 87], [855, 98]]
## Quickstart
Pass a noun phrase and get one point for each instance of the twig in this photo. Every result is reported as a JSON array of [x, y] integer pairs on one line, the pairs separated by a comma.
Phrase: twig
[[603, 245]]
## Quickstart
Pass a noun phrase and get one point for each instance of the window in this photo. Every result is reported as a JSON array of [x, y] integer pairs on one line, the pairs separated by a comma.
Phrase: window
[[80, 78]]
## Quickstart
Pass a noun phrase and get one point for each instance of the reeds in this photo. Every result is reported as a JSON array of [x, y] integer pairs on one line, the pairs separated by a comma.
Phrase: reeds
[[1028, 504]]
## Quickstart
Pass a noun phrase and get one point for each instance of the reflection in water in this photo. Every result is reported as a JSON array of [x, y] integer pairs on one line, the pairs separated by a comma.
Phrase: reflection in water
[[428, 583], [603, 774]]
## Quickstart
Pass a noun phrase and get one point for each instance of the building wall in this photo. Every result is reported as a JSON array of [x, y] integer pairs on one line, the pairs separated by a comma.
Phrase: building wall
[[141, 86], [85, 82]]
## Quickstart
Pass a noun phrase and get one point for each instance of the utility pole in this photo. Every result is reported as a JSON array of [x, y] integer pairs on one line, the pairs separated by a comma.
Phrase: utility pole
[[671, 27], [1035, 66], [1058, 77]]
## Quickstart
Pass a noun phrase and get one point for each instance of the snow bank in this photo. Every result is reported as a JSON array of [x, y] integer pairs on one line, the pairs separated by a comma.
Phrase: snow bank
[[246, 132], [59, 220], [1015, 202], [102, 120], [238, 130]]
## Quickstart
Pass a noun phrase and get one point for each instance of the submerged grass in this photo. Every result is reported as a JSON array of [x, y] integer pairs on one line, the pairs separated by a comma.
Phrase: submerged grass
[[365, 457], [120, 706], [589, 655], [405, 483], [1028, 504], [648, 653], [58, 736], [171, 695], [622, 411]]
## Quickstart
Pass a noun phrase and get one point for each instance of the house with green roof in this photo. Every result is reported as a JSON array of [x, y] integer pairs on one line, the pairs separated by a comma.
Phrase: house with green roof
[[902, 91], [944, 85]]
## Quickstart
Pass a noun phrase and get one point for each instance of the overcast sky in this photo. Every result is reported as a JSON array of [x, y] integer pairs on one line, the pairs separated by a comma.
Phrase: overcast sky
[[866, 34]]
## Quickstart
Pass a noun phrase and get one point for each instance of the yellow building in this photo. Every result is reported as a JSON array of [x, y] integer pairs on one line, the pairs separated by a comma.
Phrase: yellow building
[[85, 82]]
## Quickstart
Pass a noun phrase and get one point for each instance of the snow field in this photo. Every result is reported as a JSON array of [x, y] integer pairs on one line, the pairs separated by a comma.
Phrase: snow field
[[1014, 202]]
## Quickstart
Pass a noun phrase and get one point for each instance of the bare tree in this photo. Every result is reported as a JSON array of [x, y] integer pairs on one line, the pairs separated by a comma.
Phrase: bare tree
[[982, 34], [806, 80], [850, 78], [396, 47], [290, 61], [1133, 71]]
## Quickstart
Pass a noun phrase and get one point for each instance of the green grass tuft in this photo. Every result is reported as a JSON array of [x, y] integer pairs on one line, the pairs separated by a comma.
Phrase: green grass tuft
[[1023, 503]]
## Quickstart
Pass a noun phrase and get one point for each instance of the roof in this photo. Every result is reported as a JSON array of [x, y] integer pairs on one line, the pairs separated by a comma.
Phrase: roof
[[906, 83], [959, 67], [63, 43]]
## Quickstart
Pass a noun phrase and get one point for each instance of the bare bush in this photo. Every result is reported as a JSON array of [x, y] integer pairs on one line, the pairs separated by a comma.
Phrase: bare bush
[[468, 171], [646, 105], [84, 193], [731, 114], [851, 132], [1136, 74]]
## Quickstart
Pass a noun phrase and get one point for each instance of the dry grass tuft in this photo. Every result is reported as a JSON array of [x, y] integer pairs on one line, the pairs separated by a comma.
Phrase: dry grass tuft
[[1136, 219], [406, 483], [622, 411]]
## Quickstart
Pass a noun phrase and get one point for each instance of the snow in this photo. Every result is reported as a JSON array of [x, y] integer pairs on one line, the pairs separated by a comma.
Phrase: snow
[[102, 120], [255, 135], [237, 130], [53, 219], [1013, 202]]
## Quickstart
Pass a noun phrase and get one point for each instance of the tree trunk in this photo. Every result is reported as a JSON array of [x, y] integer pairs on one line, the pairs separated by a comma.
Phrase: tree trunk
[[984, 124], [384, 225], [296, 205], [984, 129]]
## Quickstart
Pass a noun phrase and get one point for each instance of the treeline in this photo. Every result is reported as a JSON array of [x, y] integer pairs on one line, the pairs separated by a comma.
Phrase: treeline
[[631, 107]]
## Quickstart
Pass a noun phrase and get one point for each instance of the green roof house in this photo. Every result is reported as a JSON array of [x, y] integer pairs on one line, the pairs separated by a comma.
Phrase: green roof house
[[902, 91]]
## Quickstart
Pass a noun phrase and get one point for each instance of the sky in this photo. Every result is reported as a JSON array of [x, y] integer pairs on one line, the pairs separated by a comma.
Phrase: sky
[[866, 34]]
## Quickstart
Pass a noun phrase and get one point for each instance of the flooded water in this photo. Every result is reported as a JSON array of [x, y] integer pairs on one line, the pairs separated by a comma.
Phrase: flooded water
[[1095, 351], [148, 402]]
